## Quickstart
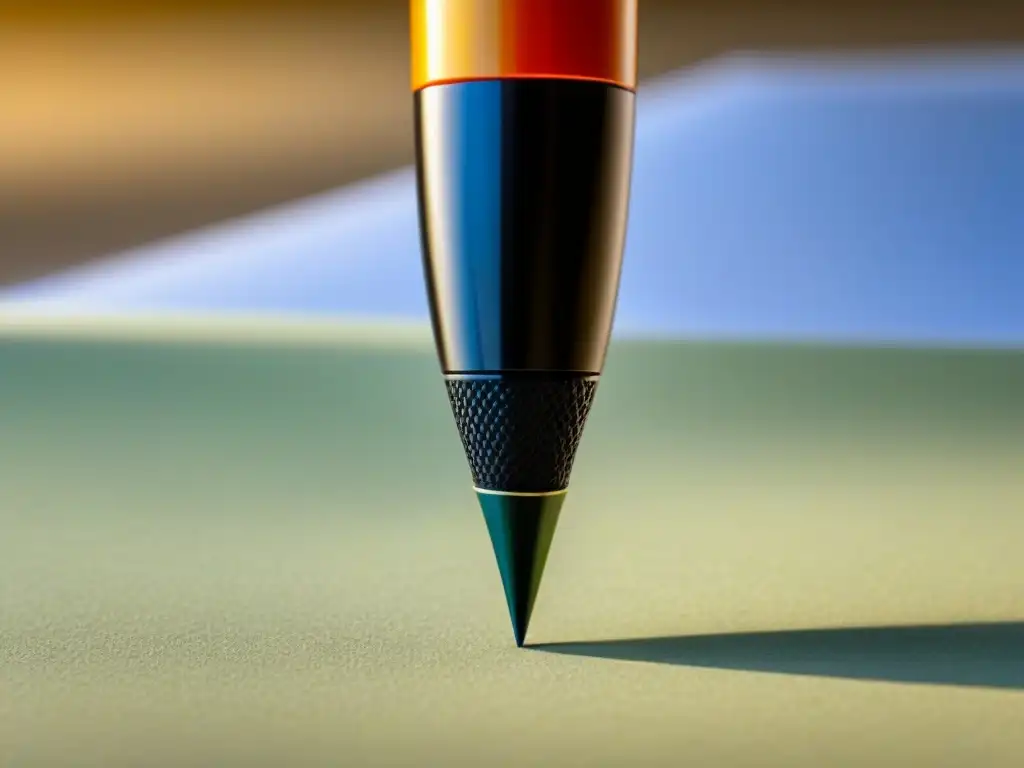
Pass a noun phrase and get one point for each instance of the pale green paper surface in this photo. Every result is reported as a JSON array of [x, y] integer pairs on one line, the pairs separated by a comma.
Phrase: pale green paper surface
[[246, 552]]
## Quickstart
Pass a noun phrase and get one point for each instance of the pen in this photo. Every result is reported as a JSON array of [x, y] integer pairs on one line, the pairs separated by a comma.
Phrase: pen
[[524, 115]]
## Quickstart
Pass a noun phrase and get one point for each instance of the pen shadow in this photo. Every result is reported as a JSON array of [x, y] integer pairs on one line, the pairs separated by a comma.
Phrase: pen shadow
[[989, 655]]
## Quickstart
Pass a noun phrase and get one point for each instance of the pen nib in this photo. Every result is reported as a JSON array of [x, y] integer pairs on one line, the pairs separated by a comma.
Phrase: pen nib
[[521, 528]]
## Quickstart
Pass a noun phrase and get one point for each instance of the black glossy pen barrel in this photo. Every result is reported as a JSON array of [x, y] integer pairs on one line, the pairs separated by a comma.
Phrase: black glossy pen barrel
[[523, 193]]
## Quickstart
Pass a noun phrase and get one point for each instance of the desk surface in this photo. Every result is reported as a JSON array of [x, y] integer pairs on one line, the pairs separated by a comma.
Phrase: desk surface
[[265, 551]]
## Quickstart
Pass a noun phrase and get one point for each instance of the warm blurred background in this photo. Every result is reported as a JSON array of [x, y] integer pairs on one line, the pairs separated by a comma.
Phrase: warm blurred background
[[121, 123]]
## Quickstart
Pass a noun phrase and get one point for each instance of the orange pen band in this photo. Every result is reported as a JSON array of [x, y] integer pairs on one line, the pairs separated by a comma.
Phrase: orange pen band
[[459, 40]]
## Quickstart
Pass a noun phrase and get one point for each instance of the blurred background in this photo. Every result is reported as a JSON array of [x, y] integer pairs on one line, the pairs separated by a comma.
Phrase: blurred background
[[123, 123]]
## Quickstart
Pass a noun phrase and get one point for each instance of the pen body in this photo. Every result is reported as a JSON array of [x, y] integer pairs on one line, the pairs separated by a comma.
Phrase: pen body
[[524, 113]]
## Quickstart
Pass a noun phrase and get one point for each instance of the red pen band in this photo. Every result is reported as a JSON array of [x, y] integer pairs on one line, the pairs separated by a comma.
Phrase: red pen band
[[460, 40]]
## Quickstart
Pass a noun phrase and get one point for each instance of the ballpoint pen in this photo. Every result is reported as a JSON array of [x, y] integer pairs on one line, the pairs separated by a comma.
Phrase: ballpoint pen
[[524, 115]]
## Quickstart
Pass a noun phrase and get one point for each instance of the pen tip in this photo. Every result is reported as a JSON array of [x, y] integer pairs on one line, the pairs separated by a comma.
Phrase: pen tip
[[521, 528]]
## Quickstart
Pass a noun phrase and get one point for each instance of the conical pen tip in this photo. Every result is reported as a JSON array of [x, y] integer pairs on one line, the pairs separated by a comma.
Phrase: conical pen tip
[[521, 527]]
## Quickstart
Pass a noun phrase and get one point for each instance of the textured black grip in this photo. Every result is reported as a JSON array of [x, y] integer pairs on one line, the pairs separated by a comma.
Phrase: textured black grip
[[521, 433]]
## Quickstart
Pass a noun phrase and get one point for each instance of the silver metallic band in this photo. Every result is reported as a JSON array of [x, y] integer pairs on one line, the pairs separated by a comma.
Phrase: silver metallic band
[[539, 375], [520, 493]]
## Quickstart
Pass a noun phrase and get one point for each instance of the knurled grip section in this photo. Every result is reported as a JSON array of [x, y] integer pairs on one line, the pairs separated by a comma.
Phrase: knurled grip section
[[521, 433]]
